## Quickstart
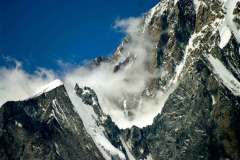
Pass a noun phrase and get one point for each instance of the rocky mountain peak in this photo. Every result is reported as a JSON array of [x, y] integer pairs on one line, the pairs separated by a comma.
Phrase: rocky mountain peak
[[44, 127], [186, 55]]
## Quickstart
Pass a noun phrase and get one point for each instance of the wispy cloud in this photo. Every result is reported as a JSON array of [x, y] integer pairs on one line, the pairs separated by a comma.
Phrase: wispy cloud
[[115, 90], [16, 84]]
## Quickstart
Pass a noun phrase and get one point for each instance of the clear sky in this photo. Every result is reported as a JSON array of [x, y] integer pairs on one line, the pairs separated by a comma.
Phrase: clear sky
[[41, 32]]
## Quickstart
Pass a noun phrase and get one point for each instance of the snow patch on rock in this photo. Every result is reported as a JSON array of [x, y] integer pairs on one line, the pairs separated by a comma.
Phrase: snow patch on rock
[[225, 35], [225, 76], [18, 124], [213, 100], [228, 25], [175, 2], [196, 5]]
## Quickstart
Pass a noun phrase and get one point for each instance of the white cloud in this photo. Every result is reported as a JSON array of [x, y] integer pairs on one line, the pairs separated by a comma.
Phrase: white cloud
[[16, 84], [129, 26], [112, 88], [128, 83]]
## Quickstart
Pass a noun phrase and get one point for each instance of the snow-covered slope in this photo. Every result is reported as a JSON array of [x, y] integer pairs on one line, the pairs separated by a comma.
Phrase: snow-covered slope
[[92, 121], [48, 87]]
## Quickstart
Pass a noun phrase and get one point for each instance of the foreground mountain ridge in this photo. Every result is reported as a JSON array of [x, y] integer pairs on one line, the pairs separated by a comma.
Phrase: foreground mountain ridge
[[196, 45]]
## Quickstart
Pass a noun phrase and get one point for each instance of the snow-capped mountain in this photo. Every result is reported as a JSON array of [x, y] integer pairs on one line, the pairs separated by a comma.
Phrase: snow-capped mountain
[[178, 95]]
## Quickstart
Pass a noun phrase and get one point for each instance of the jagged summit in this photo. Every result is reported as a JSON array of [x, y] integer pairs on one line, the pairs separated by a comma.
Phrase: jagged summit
[[184, 95]]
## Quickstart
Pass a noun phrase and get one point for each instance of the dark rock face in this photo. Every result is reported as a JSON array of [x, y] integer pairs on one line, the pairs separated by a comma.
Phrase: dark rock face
[[200, 119], [45, 127], [192, 126], [90, 98], [171, 30]]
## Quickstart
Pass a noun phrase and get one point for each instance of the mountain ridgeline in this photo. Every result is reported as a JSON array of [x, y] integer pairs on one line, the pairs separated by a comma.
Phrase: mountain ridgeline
[[196, 49]]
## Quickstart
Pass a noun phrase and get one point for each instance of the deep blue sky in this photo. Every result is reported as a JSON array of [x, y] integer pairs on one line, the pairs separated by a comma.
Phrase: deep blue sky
[[40, 32]]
